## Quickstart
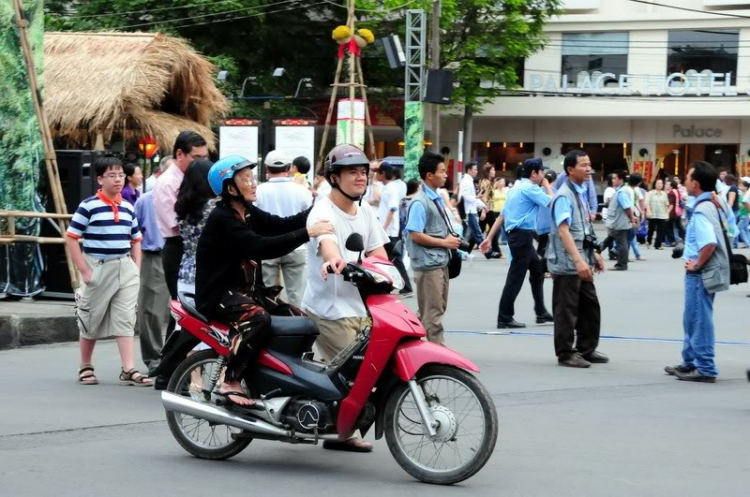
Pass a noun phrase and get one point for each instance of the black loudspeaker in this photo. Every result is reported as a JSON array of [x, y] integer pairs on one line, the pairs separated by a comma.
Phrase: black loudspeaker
[[78, 183], [76, 176], [439, 86], [394, 52]]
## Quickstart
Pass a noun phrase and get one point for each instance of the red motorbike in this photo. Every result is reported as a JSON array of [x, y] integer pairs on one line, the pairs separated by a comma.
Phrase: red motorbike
[[439, 421]]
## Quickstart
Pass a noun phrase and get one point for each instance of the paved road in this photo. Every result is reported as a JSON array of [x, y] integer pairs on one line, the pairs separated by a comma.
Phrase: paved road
[[620, 429]]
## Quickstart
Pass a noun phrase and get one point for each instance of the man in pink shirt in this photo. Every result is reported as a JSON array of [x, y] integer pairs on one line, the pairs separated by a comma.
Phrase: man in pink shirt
[[188, 147]]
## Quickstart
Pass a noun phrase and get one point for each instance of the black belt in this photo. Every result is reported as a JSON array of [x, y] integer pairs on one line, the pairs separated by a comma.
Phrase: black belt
[[521, 231], [151, 251]]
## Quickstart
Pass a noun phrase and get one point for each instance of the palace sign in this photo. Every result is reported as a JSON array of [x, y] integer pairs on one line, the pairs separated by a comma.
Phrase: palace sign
[[674, 85]]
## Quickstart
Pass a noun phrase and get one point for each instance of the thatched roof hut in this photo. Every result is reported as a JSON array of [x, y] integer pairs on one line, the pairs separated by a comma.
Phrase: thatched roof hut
[[129, 84]]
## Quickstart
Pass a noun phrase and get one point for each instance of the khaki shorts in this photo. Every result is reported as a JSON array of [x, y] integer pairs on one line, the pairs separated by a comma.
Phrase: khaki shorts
[[335, 334], [106, 306]]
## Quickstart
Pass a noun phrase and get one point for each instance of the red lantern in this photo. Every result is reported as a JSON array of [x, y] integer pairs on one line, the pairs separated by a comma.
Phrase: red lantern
[[147, 146]]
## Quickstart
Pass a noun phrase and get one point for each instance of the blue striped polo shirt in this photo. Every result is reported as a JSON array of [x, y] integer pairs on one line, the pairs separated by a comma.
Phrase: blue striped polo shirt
[[108, 227]]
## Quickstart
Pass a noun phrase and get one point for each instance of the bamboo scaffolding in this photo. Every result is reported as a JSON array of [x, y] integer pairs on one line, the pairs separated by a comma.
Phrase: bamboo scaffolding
[[356, 80], [50, 158]]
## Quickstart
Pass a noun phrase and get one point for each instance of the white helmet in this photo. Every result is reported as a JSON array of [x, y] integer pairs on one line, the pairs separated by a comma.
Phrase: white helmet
[[277, 159]]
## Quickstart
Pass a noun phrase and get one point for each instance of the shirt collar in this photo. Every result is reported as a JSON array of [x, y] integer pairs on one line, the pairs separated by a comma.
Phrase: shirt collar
[[279, 180], [116, 201], [578, 188], [431, 194]]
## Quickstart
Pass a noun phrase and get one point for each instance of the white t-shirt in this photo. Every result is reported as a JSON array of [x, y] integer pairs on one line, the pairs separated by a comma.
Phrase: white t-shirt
[[468, 194], [282, 197], [335, 298], [324, 189], [389, 201]]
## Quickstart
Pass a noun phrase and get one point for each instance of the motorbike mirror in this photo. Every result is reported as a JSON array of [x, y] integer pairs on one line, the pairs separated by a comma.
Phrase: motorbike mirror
[[355, 243]]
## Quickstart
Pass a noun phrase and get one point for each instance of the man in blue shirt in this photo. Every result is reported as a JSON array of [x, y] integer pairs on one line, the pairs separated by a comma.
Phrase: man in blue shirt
[[430, 240], [153, 296], [620, 219], [572, 259], [706, 272], [589, 188], [520, 216]]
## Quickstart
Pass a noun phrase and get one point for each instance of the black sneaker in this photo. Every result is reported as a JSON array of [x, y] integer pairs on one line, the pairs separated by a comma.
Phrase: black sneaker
[[501, 325], [545, 318], [673, 370], [694, 375], [405, 295]]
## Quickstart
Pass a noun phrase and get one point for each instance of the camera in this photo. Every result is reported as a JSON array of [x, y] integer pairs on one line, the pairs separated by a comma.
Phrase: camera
[[678, 250], [590, 242], [464, 246]]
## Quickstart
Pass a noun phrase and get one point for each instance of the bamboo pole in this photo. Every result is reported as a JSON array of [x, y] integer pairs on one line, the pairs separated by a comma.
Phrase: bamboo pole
[[331, 105], [50, 158], [352, 72], [42, 215], [368, 121]]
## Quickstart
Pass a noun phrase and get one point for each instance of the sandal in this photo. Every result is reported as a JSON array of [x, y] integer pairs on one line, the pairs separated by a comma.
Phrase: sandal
[[86, 375], [225, 396], [134, 378]]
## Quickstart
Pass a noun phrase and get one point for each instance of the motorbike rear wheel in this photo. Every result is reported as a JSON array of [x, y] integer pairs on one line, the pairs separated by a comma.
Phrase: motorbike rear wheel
[[198, 436], [467, 431]]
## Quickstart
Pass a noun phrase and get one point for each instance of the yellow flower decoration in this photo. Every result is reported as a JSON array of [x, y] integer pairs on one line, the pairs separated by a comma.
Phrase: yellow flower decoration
[[341, 34], [367, 35]]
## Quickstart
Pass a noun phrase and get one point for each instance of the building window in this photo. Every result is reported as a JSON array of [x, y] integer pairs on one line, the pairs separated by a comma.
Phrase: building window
[[698, 53], [588, 55]]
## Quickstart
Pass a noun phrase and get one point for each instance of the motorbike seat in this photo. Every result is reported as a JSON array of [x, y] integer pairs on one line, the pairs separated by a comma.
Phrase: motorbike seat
[[289, 326], [187, 300]]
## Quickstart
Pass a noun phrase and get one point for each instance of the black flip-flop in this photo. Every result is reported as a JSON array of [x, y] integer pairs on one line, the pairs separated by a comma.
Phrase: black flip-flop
[[344, 446], [230, 402]]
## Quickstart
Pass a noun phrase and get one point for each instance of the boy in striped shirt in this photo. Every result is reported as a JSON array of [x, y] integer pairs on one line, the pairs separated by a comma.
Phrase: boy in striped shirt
[[109, 268]]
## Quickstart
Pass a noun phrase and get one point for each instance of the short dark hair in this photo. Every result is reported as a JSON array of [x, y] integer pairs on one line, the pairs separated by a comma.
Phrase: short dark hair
[[673, 183], [730, 179], [621, 174], [551, 176], [302, 164], [635, 179], [321, 172], [187, 141], [529, 166], [412, 186], [102, 164], [469, 166], [428, 163], [571, 159], [705, 174], [279, 169]]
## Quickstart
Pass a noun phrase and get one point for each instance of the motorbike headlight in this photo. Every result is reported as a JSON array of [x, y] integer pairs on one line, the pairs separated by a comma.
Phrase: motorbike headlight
[[395, 278]]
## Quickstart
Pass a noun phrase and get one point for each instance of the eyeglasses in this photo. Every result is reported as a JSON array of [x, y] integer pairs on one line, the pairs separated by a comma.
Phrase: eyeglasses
[[114, 176]]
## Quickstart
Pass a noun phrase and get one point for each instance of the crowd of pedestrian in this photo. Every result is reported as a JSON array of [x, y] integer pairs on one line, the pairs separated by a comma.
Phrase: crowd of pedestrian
[[146, 248]]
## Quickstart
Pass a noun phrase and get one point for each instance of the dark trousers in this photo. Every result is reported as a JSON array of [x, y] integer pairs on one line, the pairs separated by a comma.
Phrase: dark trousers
[[675, 224], [658, 226], [473, 233], [575, 307], [489, 220], [398, 262], [622, 238], [541, 249], [525, 258], [171, 257]]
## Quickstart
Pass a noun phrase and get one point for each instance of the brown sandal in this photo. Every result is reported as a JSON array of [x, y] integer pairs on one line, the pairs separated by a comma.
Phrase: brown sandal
[[134, 378], [86, 375]]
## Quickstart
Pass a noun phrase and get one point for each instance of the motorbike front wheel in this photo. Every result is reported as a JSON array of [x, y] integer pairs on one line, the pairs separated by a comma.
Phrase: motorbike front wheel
[[466, 432], [200, 437]]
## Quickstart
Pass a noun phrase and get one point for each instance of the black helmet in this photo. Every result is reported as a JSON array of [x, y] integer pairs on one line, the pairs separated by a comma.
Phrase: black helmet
[[344, 155]]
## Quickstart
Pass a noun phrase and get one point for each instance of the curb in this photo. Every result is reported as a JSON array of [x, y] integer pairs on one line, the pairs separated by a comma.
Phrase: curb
[[21, 331]]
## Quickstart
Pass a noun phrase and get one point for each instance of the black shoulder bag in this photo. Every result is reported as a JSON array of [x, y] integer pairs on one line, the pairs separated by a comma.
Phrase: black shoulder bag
[[454, 265], [737, 262]]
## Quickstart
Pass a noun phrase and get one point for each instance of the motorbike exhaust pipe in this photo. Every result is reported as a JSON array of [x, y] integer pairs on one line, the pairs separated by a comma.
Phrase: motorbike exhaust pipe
[[219, 415]]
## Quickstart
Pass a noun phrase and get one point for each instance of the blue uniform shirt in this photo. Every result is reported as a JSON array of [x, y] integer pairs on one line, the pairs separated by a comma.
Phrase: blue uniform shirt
[[144, 211], [700, 231], [563, 209], [522, 205], [625, 200], [417, 217], [589, 187]]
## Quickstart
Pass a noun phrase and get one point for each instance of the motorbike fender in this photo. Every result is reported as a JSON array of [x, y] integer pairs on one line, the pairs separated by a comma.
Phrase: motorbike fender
[[411, 356]]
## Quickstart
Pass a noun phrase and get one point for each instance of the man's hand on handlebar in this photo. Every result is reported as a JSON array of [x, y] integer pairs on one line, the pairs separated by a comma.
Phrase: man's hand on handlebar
[[335, 265]]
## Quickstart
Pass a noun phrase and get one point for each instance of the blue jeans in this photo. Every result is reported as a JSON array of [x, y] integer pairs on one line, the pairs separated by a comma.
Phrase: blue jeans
[[698, 323], [474, 233], [634, 242], [743, 224]]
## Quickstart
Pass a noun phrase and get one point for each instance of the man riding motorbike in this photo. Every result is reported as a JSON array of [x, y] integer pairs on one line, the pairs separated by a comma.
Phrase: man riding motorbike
[[229, 282]]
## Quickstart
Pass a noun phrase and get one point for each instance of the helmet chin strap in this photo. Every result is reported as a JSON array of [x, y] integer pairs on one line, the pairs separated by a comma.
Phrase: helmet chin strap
[[350, 197]]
